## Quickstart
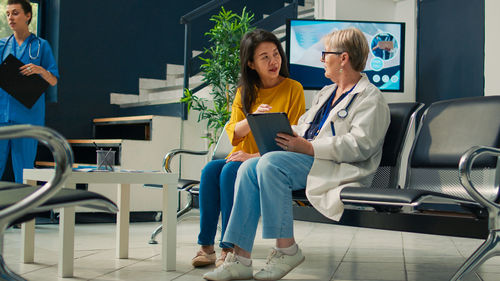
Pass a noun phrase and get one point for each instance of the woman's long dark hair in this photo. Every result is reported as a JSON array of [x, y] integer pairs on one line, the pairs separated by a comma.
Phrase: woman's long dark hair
[[249, 79]]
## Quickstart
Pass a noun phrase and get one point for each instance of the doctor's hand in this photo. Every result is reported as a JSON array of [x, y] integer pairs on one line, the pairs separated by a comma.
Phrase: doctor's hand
[[263, 108], [294, 143], [240, 156], [30, 69]]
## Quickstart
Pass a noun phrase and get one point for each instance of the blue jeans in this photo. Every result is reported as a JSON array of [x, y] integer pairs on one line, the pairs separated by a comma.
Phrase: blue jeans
[[264, 186], [216, 196]]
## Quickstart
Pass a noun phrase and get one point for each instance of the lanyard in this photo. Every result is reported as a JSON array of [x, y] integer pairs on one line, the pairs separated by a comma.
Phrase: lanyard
[[330, 106]]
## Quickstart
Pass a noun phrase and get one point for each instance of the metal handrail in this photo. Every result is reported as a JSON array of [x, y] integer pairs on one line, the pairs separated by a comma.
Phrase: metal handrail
[[276, 19], [186, 20], [202, 10]]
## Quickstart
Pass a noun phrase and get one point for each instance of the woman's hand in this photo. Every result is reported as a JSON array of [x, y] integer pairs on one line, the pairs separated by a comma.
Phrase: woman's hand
[[240, 156], [241, 129], [30, 69], [263, 108], [294, 143]]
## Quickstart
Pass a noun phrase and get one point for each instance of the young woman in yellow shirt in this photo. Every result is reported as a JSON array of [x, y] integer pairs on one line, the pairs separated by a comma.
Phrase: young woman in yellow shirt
[[264, 87]]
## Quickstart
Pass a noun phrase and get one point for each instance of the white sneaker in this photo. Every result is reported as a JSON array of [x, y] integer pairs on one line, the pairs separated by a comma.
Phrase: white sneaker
[[278, 265], [231, 269]]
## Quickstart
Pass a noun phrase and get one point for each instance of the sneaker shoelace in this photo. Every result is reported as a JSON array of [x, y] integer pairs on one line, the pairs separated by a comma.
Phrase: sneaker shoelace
[[272, 258], [230, 259]]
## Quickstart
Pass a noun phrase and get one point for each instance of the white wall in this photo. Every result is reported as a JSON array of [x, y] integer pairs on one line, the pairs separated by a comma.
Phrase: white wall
[[192, 133], [491, 47]]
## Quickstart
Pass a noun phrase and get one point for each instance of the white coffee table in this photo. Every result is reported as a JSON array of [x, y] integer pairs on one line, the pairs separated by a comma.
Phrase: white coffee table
[[123, 179]]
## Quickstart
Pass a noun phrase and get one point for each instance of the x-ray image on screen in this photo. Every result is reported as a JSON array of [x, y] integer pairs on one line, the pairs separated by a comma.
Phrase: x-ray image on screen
[[385, 64]]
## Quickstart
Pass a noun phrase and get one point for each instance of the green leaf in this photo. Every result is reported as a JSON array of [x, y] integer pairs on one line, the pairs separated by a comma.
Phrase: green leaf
[[220, 70]]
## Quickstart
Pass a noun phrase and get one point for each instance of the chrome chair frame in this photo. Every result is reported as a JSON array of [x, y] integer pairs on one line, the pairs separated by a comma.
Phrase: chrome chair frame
[[63, 158], [51, 195], [474, 199], [490, 247], [221, 150], [184, 188]]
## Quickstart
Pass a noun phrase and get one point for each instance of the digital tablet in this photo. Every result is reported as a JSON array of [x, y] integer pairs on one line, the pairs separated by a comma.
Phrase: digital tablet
[[265, 127]]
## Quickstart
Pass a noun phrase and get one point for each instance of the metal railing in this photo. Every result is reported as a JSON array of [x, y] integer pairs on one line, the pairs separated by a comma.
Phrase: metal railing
[[192, 65]]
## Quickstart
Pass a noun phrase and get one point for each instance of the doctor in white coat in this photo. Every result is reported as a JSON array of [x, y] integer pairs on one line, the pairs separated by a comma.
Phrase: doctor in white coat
[[337, 142]]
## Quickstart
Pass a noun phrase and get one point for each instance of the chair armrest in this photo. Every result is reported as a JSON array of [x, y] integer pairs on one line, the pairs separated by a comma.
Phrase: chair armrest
[[172, 153], [464, 172], [63, 158]]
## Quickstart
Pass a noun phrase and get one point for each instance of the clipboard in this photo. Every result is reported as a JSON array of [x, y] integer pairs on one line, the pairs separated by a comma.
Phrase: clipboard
[[26, 89], [265, 127]]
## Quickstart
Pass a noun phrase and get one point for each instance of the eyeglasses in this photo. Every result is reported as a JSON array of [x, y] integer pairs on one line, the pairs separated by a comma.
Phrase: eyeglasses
[[325, 53]]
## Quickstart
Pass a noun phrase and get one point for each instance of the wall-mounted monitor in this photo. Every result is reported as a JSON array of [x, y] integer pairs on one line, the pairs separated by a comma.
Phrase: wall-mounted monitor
[[385, 64]]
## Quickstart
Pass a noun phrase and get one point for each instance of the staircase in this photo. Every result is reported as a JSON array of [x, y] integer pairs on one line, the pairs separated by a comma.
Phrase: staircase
[[154, 92]]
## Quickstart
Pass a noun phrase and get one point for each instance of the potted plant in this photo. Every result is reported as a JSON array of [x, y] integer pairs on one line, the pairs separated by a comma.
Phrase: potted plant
[[220, 70]]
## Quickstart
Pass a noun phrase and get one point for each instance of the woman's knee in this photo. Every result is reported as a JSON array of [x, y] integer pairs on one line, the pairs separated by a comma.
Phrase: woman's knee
[[270, 161], [246, 173], [212, 169], [248, 167], [209, 182], [230, 170], [228, 176]]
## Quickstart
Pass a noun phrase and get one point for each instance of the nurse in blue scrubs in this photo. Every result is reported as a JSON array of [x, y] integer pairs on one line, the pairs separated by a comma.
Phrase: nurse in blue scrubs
[[36, 54]]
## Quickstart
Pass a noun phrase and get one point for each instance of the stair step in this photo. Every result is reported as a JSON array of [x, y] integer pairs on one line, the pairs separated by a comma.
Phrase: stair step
[[160, 89], [175, 69], [305, 10], [193, 81], [116, 98], [174, 80], [169, 100], [309, 17], [166, 94], [148, 83], [165, 98]]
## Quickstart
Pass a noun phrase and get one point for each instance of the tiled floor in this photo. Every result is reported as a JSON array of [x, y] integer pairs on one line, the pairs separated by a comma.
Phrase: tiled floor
[[332, 253]]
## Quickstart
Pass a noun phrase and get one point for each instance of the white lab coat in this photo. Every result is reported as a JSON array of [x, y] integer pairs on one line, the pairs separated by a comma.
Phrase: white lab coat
[[351, 157]]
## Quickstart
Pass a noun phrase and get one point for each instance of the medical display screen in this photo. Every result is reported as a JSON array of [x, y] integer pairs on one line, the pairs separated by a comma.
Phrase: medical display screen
[[385, 64]]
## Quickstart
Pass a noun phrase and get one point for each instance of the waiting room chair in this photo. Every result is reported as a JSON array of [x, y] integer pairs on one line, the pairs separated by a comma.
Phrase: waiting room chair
[[440, 171], [403, 117], [188, 186], [20, 202]]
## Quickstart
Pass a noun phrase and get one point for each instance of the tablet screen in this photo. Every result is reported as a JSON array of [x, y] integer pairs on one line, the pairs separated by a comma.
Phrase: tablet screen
[[265, 127]]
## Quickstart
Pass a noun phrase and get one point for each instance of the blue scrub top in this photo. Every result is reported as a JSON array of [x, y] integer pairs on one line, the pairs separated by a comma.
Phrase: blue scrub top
[[11, 110]]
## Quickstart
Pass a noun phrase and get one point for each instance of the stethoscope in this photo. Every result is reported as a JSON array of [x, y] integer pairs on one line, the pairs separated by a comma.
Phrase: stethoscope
[[341, 113], [29, 47], [344, 112]]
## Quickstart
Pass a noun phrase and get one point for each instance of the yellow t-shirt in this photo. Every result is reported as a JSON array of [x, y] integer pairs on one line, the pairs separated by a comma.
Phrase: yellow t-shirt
[[287, 96]]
